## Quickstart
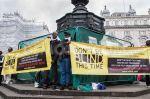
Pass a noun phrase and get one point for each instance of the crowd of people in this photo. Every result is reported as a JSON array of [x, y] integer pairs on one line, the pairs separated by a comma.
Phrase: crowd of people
[[59, 75]]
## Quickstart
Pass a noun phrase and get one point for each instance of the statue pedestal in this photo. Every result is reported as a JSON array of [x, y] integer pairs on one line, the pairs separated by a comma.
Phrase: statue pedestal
[[81, 17]]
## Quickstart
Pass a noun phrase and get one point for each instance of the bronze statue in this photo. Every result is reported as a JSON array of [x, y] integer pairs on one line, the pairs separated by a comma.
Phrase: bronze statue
[[80, 2]]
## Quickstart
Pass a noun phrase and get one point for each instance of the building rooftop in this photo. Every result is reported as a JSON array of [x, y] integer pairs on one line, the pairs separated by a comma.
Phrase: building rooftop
[[131, 13]]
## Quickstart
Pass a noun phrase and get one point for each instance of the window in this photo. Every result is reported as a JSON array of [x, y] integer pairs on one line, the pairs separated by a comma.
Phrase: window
[[128, 38], [92, 40], [125, 22], [112, 23], [142, 40], [145, 22], [109, 41], [142, 33], [135, 22], [107, 23], [116, 22], [141, 22], [112, 34], [127, 33], [120, 22]]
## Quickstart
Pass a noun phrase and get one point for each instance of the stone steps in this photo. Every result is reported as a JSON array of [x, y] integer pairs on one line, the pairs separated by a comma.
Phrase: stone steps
[[6, 93], [27, 91]]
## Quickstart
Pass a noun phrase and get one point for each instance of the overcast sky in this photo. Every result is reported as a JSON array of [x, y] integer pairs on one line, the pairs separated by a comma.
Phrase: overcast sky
[[49, 11]]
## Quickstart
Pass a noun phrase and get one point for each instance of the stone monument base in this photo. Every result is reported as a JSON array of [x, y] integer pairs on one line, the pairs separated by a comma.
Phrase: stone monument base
[[27, 91]]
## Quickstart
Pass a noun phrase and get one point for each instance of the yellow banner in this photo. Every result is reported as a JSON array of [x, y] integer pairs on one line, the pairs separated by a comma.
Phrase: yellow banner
[[89, 59], [36, 57]]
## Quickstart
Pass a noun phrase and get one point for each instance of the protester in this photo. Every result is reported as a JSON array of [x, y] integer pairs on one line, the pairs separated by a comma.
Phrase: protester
[[53, 45], [65, 64], [147, 77], [38, 77], [1, 66], [7, 78], [13, 76]]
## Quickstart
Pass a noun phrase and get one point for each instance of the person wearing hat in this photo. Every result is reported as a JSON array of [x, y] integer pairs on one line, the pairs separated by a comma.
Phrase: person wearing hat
[[147, 77], [65, 64], [54, 36]]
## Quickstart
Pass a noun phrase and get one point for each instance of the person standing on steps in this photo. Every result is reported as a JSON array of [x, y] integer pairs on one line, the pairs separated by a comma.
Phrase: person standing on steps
[[7, 78], [147, 77], [65, 63]]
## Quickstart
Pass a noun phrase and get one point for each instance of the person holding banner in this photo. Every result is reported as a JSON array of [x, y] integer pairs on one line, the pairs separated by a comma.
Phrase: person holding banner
[[53, 44], [1, 66], [147, 77], [7, 78], [65, 64]]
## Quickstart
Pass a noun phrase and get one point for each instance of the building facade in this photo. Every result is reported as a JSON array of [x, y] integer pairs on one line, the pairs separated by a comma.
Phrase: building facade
[[127, 25], [14, 28]]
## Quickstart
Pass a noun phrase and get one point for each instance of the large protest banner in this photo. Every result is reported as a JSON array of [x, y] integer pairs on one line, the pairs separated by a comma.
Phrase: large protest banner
[[89, 59], [36, 57]]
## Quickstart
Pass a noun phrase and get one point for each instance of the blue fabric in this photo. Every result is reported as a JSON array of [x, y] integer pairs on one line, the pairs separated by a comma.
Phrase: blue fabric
[[101, 86], [65, 71]]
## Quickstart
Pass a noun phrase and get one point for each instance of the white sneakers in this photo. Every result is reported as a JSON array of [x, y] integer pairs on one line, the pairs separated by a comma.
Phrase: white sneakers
[[36, 84]]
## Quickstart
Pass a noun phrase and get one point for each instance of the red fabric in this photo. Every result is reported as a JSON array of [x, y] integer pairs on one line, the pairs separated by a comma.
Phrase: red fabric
[[139, 77]]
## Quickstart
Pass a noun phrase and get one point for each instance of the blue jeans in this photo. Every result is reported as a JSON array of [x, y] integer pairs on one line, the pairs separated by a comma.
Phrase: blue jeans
[[65, 71]]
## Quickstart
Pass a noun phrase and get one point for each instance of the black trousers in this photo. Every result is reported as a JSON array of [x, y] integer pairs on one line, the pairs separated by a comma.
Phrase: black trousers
[[147, 78], [54, 75], [1, 76], [55, 72]]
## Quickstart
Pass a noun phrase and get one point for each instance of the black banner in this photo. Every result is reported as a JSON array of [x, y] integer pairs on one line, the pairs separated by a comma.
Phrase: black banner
[[34, 61], [123, 65]]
